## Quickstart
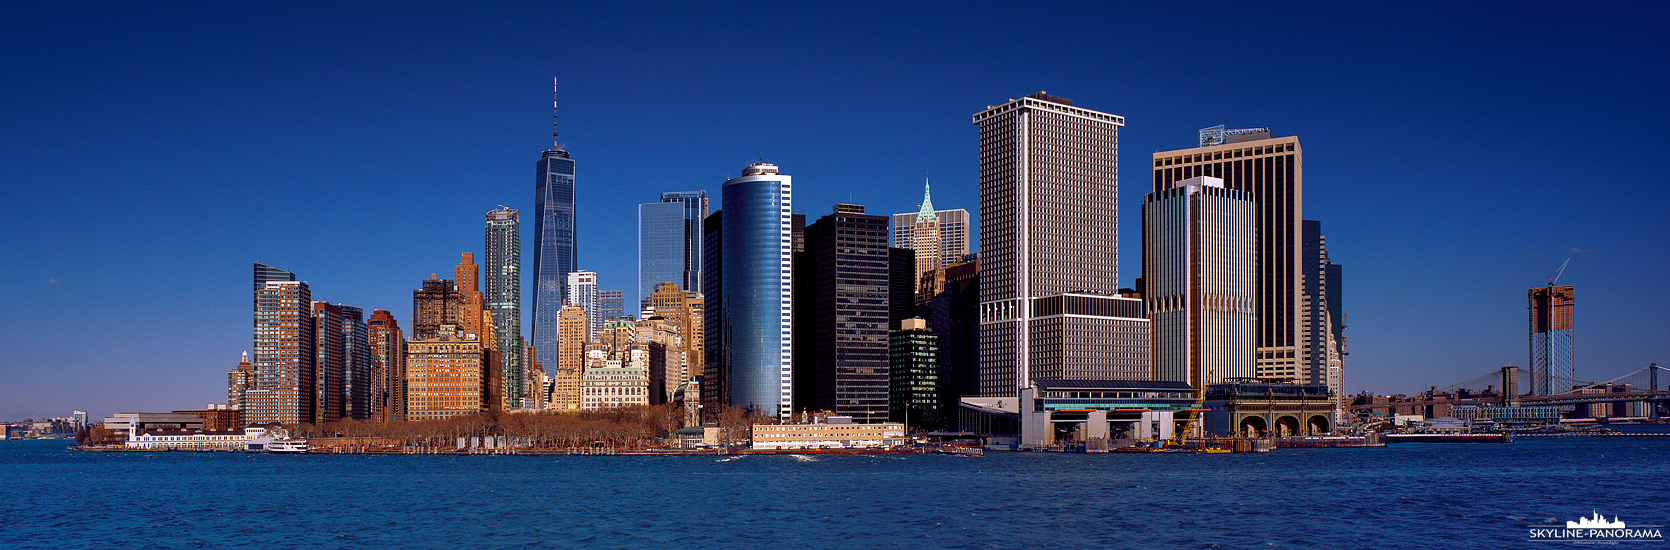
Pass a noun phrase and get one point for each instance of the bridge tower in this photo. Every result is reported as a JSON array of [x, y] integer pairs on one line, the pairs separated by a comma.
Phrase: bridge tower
[[1510, 386]]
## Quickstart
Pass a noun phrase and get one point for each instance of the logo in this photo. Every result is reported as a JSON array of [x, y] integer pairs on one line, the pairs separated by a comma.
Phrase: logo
[[1596, 529]]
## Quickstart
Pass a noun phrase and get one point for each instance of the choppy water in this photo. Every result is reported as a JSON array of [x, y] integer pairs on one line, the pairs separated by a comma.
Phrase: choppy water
[[1402, 496]]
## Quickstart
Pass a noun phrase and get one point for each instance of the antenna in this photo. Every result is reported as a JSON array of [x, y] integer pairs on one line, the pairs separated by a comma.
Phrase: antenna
[[555, 146]]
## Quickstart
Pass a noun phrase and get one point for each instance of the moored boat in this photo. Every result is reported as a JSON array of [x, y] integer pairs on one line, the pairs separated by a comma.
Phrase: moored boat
[[287, 446]]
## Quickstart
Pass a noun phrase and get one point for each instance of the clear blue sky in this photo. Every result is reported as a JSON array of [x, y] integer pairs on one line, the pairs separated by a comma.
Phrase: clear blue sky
[[1456, 154]]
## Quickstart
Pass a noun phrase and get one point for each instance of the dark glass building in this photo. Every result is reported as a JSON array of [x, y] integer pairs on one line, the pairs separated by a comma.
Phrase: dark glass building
[[843, 294], [913, 385]]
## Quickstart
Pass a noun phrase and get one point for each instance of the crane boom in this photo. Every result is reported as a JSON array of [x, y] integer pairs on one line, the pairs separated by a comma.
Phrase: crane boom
[[1558, 272]]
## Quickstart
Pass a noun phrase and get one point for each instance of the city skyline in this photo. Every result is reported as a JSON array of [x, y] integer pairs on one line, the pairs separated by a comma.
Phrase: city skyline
[[1408, 166]]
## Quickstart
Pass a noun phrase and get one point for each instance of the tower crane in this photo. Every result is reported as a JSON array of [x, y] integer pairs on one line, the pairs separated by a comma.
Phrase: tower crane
[[1558, 272]]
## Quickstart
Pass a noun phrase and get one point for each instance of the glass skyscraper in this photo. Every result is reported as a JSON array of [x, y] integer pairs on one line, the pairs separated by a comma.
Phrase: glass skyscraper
[[670, 242], [755, 317], [504, 297], [554, 250]]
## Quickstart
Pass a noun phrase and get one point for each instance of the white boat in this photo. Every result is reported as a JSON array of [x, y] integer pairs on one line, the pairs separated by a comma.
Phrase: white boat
[[288, 446]]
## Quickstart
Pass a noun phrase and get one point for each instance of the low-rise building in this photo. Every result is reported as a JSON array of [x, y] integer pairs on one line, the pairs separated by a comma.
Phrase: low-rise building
[[189, 440], [837, 433]]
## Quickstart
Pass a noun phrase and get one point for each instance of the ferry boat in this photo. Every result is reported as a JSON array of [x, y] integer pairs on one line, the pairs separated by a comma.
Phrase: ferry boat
[[287, 446]]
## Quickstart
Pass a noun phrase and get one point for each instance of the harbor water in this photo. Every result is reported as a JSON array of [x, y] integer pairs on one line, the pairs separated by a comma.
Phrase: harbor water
[[1415, 495]]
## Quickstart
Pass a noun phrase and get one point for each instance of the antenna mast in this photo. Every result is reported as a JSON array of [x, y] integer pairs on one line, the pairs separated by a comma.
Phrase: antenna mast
[[555, 144]]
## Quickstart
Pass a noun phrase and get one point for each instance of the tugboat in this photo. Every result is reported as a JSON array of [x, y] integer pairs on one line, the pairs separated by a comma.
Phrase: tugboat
[[287, 446]]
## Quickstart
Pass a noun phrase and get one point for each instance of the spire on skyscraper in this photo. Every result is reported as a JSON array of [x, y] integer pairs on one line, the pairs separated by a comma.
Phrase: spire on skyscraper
[[927, 213], [555, 145]]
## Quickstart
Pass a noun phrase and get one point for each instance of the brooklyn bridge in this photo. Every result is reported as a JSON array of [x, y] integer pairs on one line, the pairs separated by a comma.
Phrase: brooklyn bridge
[[1623, 396]]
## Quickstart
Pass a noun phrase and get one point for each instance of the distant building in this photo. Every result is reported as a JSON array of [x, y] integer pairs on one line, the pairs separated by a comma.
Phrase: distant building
[[950, 227], [573, 332], [436, 303], [1200, 259], [127, 424], [683, 309], [582, 292], [670, 242], [749, 308], [502, 295], [388, 367], [238, 381], [953, 316], [1551, 337], [913, 385], [611, 304]]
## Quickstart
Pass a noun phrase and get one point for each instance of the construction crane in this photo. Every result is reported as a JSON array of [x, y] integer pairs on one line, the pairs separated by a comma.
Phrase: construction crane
[[1558, 272], [1190, 414]]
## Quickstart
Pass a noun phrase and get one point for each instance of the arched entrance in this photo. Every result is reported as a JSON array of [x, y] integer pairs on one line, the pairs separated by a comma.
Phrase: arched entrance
[[1319, 425], [1254, 426], [1287, 426]]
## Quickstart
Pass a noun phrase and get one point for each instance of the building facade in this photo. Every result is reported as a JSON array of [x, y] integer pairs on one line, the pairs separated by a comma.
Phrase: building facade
[[750, 306], [913, 384], [611, 304], [843, 277], [388, 367], [582, 292], [670, 242], [1049, 213], [555, 253], [445, 375], [285, 354], [1551, 337], [503, 297], [1199, 267], [435, 303], [1272, 170], [952, 226]]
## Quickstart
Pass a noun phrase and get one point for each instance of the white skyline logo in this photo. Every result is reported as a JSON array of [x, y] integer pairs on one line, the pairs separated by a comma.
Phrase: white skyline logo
[[1596, 522]]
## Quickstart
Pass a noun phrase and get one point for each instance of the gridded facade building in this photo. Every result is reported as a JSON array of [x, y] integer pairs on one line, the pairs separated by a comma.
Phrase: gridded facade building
[[445, 375], [1199, 265], [503, 297], [1049, 204], [913, 383], [1551, 337], [1271, 169], [285, 353], [953, 232], [843, 299]]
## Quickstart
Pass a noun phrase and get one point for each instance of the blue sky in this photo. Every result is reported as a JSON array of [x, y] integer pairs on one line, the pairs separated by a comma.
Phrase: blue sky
[[1455, 154]]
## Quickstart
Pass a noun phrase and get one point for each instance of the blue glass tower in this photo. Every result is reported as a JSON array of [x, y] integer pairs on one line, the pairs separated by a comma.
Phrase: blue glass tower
[[755, 299], [670, 242], [554, 250]]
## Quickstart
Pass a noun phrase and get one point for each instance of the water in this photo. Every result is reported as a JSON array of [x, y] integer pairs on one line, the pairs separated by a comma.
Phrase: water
[[1405, 495]]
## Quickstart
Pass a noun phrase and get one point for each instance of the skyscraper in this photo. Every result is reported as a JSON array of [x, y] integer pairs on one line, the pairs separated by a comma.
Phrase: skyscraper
[[925, 238], [265, 273], [285, 351], [388, 367], [1319, 316], [503, 296], [436, 303], [611, 304], [1049, 213], [582, 292], [750, 308], [356, 364], [1272, 169], [843, 278], [670, 242], [1551, 337], [446, 375], [329, 362], [555, 253], [952, 226], [1199, 267]]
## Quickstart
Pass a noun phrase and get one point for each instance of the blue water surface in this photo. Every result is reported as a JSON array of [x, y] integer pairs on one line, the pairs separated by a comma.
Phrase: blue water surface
[[1402, 496]]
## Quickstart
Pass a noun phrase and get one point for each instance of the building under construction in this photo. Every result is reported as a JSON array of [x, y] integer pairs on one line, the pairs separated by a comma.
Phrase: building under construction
[[1551, 338]]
